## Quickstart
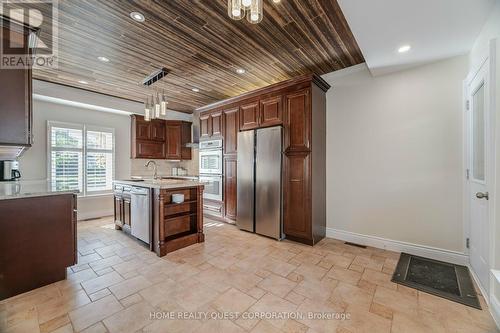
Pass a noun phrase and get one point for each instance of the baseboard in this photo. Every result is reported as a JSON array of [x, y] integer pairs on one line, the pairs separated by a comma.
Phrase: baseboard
[[479, 285], [94, 214], [495, 310], [398, 246]]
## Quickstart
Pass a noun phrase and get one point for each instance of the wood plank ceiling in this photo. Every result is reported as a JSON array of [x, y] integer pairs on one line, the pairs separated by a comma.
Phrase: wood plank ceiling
[[199, 44]]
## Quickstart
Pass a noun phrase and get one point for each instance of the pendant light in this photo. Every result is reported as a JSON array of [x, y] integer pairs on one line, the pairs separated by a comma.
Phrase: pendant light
[[147, 114], [152, 108], [157, 106], [255, 12], [252, 9], [163, 104], [235, 9]]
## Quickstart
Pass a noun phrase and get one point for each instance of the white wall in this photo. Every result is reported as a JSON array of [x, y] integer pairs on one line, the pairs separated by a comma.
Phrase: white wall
[[34, 161], [394, 154], [491, 31]]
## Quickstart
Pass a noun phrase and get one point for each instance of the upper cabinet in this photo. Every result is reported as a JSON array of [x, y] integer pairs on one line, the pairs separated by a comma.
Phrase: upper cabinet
[[15, 96], [160, 139], [211, 124], [205, 126], [249, 116], [298, 121], [271, 111], [158, 130], [216, 123], [231, 129], [178, 134]]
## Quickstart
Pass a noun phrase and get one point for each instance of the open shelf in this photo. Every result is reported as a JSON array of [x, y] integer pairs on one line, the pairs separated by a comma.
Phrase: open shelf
[[175, 216], [181, 203]]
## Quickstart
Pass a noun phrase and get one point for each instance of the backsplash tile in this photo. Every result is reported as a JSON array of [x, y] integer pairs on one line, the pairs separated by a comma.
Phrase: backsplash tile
[[138, 166]]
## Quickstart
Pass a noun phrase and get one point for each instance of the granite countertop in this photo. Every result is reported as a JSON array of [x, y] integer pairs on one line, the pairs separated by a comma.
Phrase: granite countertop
[[28, 189], [163, 184]]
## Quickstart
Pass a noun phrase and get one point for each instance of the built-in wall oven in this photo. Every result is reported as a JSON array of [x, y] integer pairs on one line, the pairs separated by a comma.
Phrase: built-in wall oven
[[213, 187], [211, 160], [211, 157]]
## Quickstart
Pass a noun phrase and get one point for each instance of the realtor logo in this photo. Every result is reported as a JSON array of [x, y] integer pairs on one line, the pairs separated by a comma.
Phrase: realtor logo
[[29, 34]]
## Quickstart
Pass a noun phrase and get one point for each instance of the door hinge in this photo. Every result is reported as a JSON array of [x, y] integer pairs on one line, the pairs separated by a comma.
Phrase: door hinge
[[467, 243], [467, 105], [467, 174]]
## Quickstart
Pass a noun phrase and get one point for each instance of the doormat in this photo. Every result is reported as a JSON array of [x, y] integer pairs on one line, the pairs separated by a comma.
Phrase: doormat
[[439, 278]]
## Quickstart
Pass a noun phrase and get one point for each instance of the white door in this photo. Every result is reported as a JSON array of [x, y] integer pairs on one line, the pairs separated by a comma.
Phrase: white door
[[478, 156]]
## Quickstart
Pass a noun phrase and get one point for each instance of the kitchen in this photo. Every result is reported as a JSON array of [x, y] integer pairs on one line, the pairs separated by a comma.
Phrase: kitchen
[[219, 158]]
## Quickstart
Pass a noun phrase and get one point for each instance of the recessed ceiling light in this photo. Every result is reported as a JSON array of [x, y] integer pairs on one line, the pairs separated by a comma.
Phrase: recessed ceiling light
[[276, 1], [195, 90], [103, 59], [240, 71], [136, 16], [404, 49], [83, 82]]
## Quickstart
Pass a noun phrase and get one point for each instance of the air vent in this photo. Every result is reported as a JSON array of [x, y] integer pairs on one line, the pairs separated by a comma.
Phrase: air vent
[[155, 77]]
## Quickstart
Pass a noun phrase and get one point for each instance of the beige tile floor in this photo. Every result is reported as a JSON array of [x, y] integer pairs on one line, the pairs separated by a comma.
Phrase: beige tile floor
[[118, 284]]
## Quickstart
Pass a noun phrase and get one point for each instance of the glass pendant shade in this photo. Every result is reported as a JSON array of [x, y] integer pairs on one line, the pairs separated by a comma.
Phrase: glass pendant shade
[[246, 3], [163, 108], [157, 106], [152, 108], [235, 9], [163, 104], [157, 110], [255, 13], [147, 115]]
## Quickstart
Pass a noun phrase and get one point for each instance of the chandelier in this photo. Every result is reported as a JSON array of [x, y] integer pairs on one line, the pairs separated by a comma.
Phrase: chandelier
[[252, 9], [155, 107]]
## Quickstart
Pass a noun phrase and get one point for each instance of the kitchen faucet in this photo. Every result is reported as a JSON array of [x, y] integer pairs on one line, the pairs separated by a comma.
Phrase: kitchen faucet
[[155, 168]]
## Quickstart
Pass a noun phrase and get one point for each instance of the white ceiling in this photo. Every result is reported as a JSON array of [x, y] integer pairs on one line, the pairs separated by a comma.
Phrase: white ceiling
[[435, 29]]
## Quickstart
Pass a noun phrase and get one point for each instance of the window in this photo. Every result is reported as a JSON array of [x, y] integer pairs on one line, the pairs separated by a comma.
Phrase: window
[[81, 158]]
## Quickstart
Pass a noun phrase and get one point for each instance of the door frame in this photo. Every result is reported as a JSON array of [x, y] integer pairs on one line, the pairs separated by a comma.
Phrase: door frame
[[488, 64]]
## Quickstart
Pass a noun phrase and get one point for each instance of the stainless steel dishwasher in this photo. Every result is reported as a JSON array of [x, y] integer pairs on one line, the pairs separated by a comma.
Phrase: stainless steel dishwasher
[[141, 213]]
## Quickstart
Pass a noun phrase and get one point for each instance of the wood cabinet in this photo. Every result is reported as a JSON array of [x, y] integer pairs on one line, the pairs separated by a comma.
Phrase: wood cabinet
[[249, 116], [211, 124], [119, 210], [178, 134], [205, 126], [173, 141], [296, 191], [230, 187], [216, 119], [298, 121], [123, 211], [16, 112], [157, 130], [271, 111], [160, 139], [299, 105], [127, 211], [36, 244], [143, 129], [231, 129]]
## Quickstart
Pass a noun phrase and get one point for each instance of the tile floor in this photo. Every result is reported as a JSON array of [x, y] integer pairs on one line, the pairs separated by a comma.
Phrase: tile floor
[[118, 285]]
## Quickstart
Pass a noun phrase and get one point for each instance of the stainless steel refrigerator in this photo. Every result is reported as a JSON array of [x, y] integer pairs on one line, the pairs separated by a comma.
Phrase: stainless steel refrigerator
[[259, 203]]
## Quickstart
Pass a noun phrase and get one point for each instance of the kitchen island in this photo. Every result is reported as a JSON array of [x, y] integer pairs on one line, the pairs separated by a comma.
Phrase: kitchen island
[[166, 226], [37, 235]]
